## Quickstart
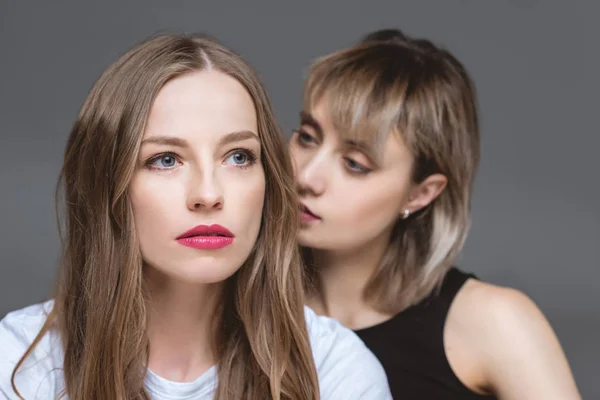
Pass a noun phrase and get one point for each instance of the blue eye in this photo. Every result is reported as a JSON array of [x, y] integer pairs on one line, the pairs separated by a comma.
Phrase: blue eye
[[241, 158], [163, 161], [238, 158]]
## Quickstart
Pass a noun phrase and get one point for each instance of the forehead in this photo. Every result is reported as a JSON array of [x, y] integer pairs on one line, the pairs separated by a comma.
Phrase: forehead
[[201, 103]]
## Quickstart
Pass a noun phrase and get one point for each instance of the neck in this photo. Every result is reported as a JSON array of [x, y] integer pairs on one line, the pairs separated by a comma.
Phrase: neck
[[343, 278], [181, 321]]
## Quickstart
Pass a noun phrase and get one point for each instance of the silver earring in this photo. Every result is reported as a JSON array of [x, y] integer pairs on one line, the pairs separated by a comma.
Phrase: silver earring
[[406, 213]]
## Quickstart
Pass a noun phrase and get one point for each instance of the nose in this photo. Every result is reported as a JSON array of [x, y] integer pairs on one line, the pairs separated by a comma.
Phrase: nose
[[311, 175], [204, 191]]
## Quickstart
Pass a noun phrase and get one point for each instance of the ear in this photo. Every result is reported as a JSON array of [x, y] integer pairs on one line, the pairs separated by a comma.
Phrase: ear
[[423, 193]]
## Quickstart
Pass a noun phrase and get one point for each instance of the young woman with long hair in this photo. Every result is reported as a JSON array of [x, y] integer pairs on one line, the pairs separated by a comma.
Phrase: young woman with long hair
[[180, 276]]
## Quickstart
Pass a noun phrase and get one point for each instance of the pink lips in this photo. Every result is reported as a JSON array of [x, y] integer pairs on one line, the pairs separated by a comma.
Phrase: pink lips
[[206, 237], [306, 215]]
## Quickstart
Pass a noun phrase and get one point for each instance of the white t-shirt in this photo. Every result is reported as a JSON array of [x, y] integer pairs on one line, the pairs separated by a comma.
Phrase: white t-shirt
[[346, 369]]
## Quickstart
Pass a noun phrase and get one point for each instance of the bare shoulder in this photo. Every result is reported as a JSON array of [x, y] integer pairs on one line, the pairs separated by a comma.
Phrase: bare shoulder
[[482, 319], [512, 342], [489, 306], [498, 320]]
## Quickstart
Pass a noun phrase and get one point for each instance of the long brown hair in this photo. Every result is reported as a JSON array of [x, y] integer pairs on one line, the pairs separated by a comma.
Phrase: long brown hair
[[100, 305], [387, 84]]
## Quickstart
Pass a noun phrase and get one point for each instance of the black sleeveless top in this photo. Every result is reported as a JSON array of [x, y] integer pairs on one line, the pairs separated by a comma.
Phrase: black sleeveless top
[[410, 346]]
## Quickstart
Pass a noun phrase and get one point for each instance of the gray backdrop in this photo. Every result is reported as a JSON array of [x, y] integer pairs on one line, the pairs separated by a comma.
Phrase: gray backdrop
[[536, 219]]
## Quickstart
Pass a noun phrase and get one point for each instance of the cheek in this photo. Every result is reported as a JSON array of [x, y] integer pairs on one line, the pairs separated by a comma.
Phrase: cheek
[[367, 206], [245, 198], [370, 207], [153, 200]]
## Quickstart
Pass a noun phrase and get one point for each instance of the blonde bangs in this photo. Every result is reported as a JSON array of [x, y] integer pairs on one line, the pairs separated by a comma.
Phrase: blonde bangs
[[364, 106]]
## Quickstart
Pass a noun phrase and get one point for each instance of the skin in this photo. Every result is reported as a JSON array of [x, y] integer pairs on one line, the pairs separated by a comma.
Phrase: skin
[[199, 163], [496, 339]]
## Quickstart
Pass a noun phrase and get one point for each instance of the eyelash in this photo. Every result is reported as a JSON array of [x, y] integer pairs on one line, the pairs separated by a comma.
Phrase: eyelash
[[248, 153], [251, 155], [157, 157], [358, 169], [300, 134]]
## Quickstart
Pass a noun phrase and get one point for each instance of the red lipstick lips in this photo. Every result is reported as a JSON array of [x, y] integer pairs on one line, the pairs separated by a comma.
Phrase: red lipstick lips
[[206, 237]]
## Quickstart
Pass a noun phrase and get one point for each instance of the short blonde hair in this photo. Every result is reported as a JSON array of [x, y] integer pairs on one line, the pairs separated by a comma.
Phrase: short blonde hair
[[412, 88]]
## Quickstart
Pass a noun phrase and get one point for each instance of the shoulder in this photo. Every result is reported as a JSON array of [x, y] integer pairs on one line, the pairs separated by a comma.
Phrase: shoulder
[[495, 309], [18, 330], [346, 367], [494, 316], [330, 339], [515, 346]]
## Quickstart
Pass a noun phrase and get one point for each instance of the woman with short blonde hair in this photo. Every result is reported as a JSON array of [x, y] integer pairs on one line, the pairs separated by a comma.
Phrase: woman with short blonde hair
[[385, 158]]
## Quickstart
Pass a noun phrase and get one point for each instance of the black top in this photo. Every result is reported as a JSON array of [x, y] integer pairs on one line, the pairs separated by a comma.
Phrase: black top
[[410, 346]]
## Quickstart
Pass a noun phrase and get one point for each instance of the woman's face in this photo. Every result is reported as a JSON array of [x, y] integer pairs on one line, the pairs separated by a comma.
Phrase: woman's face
[[350, 196], [198, 191]]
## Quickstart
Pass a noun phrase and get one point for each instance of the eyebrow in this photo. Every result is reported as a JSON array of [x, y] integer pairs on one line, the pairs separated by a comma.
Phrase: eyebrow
[[237, 136], [307, 119], [166, 140]]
